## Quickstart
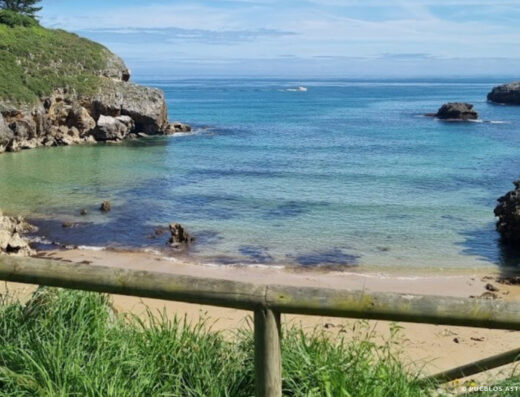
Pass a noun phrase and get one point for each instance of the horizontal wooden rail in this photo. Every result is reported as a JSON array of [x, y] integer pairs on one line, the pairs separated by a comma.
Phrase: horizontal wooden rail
[[268, 301], [248, 296]]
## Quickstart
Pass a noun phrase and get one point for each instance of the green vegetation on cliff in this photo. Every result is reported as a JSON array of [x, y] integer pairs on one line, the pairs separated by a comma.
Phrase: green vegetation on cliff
[[34, 61]]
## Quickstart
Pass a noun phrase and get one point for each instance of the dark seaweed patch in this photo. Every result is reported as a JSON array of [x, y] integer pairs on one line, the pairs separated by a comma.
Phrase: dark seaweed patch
[[335, 256], [257, 253]]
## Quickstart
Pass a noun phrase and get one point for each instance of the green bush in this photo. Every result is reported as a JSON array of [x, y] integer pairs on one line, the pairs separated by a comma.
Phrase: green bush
[[65, 343], [13, 19]]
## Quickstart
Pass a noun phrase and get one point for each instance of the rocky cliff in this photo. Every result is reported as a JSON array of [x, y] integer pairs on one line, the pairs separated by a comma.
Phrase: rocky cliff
[[59, 89]]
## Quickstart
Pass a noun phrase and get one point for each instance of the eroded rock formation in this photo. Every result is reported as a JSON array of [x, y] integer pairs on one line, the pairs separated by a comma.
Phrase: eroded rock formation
[[118, 110], [12, 230]]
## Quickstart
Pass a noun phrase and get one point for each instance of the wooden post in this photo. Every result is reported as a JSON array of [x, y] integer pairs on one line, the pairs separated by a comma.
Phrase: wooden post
[[268, 355]]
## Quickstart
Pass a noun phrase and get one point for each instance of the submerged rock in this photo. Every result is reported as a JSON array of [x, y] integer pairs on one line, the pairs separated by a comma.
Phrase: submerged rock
[[506, 94], [105, 206], [457, 111], [179, 235], [11, 240], [508, 213]]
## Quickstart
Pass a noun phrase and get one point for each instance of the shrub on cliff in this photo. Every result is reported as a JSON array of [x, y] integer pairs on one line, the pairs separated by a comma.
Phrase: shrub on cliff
[[34, 61], [12, 19]]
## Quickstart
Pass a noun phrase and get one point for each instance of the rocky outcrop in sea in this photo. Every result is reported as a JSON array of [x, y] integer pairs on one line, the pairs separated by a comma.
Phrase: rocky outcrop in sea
[[506, 94], [118, 110], [508, 213], [12, 241], [456, 111]]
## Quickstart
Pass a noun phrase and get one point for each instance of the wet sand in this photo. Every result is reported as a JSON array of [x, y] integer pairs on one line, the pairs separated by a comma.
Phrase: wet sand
[[433, 348]]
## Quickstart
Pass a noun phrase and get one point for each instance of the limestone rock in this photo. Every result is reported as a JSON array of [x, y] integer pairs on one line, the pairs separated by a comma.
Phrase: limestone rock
[[6, 135], [78, 117], [112, 128], [457, 111], [146, 106], [116, 68], [508, 213], [11, 240], [506, 94]]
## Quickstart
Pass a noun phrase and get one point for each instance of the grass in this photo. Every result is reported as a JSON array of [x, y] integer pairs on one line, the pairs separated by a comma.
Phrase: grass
[[34, 61], [66, 343]]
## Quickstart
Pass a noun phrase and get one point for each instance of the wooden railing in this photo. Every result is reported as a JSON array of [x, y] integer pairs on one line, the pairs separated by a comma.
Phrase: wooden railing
[[269, 301]]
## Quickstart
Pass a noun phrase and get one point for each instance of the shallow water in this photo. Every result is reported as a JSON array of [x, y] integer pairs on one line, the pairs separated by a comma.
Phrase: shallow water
[[347, 173]]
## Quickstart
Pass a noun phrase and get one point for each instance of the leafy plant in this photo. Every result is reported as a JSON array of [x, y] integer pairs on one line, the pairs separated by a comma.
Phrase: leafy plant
[[12, 19]]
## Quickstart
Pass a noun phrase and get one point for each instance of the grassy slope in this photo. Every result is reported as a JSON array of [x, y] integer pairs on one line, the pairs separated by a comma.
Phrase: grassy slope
[[65, 343], [35, 60]]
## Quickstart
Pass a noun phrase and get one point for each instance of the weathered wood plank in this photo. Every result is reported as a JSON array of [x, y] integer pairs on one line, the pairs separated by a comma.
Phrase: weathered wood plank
[[268, 360], [475, 367], [481, 313], [249, 296], [144, 284]]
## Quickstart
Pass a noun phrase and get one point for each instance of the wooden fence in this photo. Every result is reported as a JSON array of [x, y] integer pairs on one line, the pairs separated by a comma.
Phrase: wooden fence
[[269, 301]]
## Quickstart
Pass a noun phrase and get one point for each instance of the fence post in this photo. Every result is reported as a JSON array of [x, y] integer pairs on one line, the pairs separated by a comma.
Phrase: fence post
[[268, 356]]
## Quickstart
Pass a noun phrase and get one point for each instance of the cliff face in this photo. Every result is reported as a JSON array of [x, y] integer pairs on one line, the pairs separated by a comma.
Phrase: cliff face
[[66, 90]]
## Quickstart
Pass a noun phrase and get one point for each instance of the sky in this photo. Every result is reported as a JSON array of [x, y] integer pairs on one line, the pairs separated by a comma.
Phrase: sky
[[300, 38]]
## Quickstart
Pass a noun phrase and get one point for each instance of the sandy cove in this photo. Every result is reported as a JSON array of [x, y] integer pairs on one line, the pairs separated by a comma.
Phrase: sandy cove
[[433, 347]]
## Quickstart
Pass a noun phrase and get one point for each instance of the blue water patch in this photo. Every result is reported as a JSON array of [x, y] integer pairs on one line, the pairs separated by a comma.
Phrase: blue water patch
[[347, 173]]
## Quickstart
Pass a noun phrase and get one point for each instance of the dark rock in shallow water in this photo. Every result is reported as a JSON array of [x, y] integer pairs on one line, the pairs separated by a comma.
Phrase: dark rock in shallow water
[[105, 206], [508, 213], [506, 94], [177, 127], [457, 111], [179, 235]]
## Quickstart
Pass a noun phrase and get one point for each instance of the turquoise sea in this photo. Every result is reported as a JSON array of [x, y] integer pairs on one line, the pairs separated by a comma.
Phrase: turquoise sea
[[347, 173]]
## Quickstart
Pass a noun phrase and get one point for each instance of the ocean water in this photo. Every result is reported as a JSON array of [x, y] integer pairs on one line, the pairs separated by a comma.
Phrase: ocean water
[[348, 173]]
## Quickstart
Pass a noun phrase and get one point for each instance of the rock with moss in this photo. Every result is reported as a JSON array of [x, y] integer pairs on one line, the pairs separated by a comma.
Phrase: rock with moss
[[57, 87]]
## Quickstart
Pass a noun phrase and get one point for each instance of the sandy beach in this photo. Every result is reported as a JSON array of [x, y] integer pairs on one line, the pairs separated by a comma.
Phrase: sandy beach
[[433, 348]]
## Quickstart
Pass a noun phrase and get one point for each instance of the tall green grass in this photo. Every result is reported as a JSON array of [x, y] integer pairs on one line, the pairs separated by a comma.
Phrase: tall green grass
[[65, 343]]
